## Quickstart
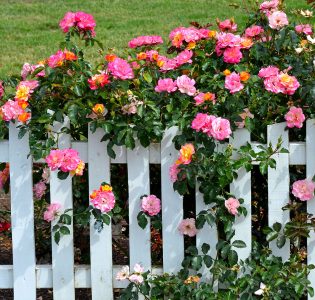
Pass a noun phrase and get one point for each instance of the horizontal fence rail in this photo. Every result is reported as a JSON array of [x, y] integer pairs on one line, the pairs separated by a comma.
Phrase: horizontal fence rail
[[24, 276]]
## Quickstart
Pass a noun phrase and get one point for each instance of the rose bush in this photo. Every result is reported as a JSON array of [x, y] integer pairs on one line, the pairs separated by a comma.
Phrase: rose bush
[[208, 82]]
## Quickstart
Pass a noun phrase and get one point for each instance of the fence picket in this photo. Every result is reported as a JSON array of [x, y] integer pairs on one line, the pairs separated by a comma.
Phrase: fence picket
[[310, 172], [22, 216], [100, 242], [62, 254], [241, 188], [172, 208], [207, 234], [278, 186], [138, 184]]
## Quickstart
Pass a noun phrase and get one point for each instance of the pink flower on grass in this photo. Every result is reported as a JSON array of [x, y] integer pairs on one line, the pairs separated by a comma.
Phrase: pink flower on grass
[[220, 129], [10, 110], [166, 85], [233, 83], [227, 25], [186, 85], [232, 55], [295, 117], [147, 40], [67, 22], [304, 28], [52, 211], [232, 204], [151, 205], [269, 5], [120, 69], [188, 227], [123, 273], [303, 189], [225, 40], [39, 189], [278, 20], [56, 60]]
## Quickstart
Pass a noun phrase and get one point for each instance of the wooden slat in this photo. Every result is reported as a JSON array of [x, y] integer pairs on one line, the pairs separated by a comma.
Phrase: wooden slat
[[62, 254], [22, 216], [310, 172], [278, 186], [100, 242], [206, 234], [172, 208], [241, 188], [138, 185], [4, 151]]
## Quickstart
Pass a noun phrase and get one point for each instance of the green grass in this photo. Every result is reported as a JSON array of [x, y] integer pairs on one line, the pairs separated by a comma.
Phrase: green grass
[[29, 29]]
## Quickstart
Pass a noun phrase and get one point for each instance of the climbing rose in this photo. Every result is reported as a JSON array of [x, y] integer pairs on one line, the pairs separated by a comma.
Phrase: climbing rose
[[39, 189], [220, 129], [186, 153], [304, 28], [288, 84], [11, 110], [186, 85], [166, 85], [295, 117], [188, 227], [123, 273], [233, 83], [103, 198], [277, 20], [151, 205], [146, 40], [52, 211], [120, 69], [303, 189], [232, 204], [173, 172], [232, 55]]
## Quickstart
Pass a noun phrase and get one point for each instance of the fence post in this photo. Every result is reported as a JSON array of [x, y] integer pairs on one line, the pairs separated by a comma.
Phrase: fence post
[[22, 216], [138, 185], [100, 242], [310, 172], [278, 186], [62, 254], [172, 207], [241, 188]]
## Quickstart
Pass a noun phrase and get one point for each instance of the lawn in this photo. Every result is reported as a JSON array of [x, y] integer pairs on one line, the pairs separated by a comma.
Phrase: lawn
[[30, 32]]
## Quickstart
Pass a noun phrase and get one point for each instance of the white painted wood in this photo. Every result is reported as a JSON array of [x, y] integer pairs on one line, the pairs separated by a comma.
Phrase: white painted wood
[[206, 234], [22, 216], [4, 151], [100, 242], [278, 186], [310, 172], [44, 276], [297, 153], [121, 155], [138, 185], [155, 153], [6, 277], [62, 254], [241, 188], [172, 207]]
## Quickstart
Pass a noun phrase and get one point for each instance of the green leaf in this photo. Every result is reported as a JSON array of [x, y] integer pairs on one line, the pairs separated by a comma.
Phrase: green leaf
[[196, 262], [232, 257], [57, 237], [277, 226], [271, 236], [111, 153], [239, 244], [66, 219], [64, 230], [205, 248], [106, 219], [281, 241], [207, 259], [147, 77], [263, 167], [142, 220], [62, 175]]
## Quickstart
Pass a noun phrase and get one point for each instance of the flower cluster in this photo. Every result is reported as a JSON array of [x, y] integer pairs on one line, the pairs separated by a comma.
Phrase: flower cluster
[[81, 21], [278, 82], [183, 83], [216, 127], [136, 277], [60, 57], [52, 212], [103, 198], [65, 160], [151, 205], [146, 40], [204, 97]]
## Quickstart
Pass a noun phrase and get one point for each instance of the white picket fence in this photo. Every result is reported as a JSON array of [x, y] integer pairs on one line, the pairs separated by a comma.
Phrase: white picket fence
[[24, 276]]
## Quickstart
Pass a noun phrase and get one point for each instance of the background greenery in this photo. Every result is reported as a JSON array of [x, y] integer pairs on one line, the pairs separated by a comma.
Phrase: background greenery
[[29, 29]]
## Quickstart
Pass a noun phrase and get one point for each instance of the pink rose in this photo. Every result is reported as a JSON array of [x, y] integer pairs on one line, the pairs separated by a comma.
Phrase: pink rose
[[166, 85], [145, 41], [232, 204], [39, 189], [202, 97], [135, 278], [228, 40], [232, 55], [188, 227], [253, 31], [227, 25], [173, 172], [277, 20], [304, 28], [151, 205], [233, 83], [269, 5], [186, 85], [123, 273], [120, 69], [303, 189], [268, 72], [184, 57], [52, 211], [104, 201], [11, 110], [295, 117], [220, 129], [67, 22]]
